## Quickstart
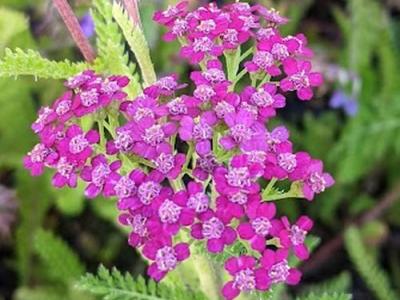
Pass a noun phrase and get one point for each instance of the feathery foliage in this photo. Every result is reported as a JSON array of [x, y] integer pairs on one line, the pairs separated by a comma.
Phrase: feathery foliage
[[113, 57], [340, 284], [327, 296], [113, 285], [368, 268], [57, 256], [137, 42], [17, 63]]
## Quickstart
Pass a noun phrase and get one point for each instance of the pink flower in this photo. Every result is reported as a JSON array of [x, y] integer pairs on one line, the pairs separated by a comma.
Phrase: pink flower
[[168, 164], [63, 107], [246, 277], [199, 48], [165, 257], [97, 174], [38, 158], [205, 166], [242, 129], [142, 107], [138, 223], [200, 132], [172, 13], [213, 229], [171, 212], [77, 145], [293, 236], [265, 99], [271, 15], [66, 173], [263, 61], [165, 86], [278, 270], [300, 78], [259, 226], [198, 200], [316, 181]]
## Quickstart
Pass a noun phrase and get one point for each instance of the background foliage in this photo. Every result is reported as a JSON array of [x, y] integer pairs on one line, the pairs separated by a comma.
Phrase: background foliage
[[58, 235]]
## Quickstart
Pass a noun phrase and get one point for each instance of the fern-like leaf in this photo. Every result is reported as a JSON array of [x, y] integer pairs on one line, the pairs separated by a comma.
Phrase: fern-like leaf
[[137, 42], [113, 285], [327, 296], [368, 268], [62, 263], [339, 284], [17, 63], [113, 57]]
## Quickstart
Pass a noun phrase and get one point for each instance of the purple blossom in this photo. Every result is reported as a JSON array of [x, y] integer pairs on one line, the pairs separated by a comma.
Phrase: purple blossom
[[246, 277], [300, 78], [165, 257], [259, 226], [168, 164], [293, 236], [87, 25], [213, 229], [97, 174], [316, 181]]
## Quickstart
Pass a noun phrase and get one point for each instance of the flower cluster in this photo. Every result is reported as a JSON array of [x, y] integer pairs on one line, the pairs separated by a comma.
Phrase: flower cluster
[[196, 162]]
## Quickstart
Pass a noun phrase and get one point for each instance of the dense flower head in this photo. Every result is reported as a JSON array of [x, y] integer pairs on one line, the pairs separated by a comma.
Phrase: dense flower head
[[200, 159]]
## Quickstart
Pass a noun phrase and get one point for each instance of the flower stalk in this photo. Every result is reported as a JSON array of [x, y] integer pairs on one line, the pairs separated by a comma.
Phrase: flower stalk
[[71, 22]]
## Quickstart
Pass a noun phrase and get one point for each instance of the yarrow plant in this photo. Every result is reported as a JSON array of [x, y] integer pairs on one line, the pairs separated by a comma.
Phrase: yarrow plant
[[196, 167]]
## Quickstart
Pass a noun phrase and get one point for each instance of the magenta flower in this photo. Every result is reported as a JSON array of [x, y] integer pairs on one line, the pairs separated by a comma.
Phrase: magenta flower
[[77, 145], [293, 236], [172, 13], [182, 106], [214, 75], [177, 29], [97, 174], [259, 226], [278, 270], [265, 99], [38, 158], [200, 48], [166, 86], [200, 132], [213, 229], [148, 134], [46, 116], [87, 101], [168, 164], [263, 61], [208, 21], [205, 166], [123, 141], [66, 173], [81, 80], [63, 107], [280, 48], [142, 107], [300, 78], [316, 181], [198, 200], [240, 176], [271, 15], [246, 277], [172, 213], [242, 128], [165, 257], [111, 89], [138, 223]]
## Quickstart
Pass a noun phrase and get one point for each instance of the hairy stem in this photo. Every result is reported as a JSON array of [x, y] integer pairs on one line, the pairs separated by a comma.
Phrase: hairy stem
[[206, 274], [70, 20], [132, 6]]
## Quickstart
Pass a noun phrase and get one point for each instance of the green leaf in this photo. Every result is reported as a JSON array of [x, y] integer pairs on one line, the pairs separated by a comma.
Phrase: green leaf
[[113, 285], [368, 268], [62, 263], [340, 284], [69, 201], [137, 42], [12, 23], [112, 55], [327, 296], [18, 62]]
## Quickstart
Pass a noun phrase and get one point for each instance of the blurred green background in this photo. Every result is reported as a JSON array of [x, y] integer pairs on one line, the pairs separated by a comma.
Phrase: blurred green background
[[49, 237]]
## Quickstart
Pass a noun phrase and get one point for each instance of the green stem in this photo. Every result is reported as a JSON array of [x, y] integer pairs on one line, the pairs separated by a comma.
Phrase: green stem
[[266, 78], [282, 196], [206, 274], [246, 54], [269, 187], [238, 78]]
